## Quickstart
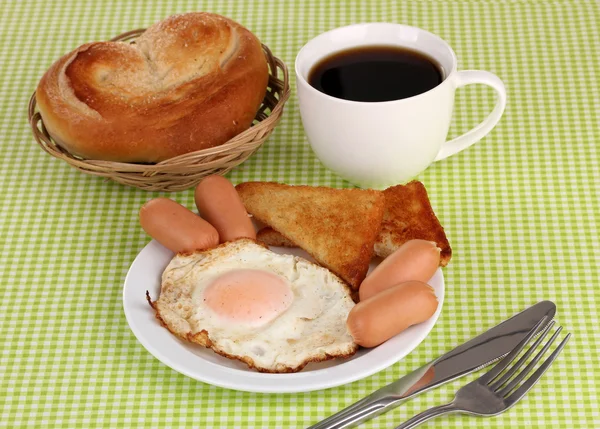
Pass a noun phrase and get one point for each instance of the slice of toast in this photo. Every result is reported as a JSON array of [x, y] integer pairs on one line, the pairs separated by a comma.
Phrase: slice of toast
[[337, 227], [408, 215]]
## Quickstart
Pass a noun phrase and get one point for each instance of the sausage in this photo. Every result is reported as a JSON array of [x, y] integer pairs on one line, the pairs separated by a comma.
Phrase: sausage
[[219, 203], [414, 260], [379, 318], [176, 227]]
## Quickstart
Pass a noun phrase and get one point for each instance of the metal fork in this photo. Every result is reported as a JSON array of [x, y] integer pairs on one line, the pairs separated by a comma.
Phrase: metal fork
[[494, 392]]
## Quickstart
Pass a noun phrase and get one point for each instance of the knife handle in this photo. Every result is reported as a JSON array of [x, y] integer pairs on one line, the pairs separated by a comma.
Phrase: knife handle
[[359, 412], [380, 401]]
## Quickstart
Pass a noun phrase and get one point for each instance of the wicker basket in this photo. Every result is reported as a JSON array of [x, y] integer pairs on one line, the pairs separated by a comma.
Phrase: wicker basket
[[183, 171]]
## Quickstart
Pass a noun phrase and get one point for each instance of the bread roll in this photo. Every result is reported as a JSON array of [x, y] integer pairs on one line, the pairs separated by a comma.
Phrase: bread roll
[[189, 82]]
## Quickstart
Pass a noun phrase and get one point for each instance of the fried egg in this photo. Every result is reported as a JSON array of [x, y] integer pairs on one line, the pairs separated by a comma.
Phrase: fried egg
[[274, 312]]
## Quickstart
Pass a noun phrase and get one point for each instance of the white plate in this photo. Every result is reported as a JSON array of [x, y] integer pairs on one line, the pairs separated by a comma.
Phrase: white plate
[[204, 365]]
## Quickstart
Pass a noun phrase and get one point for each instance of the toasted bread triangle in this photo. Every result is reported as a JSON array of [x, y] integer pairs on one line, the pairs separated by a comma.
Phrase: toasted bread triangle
[[337, 227], [408, 215]]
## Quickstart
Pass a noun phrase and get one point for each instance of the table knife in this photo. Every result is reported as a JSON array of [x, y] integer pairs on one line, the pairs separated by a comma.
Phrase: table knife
[[464, 359]]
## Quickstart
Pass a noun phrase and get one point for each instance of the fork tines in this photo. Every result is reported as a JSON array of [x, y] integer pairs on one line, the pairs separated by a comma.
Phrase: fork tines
[[504, 384]]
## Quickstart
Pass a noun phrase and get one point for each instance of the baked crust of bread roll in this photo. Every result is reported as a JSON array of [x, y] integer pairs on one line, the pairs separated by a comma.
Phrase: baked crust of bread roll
[[189, 82]]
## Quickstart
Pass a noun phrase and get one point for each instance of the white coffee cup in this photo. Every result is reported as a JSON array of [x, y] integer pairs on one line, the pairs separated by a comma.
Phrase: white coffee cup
[[379, 144]]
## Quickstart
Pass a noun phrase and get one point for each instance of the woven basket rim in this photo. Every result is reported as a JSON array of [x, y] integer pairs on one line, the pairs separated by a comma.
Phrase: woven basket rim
[[99, 166]]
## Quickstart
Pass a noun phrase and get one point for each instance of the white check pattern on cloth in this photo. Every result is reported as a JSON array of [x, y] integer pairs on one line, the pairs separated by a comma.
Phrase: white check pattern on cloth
[[520, 209]]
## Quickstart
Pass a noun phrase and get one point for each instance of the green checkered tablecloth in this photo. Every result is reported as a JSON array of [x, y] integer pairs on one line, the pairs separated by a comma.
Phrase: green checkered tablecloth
[[520, 209]]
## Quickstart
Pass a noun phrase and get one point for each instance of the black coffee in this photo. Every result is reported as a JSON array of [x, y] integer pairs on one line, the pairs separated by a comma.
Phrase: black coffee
[[375, 73]]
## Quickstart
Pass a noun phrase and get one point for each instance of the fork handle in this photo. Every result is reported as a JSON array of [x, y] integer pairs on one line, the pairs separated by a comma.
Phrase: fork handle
[[428, 414]]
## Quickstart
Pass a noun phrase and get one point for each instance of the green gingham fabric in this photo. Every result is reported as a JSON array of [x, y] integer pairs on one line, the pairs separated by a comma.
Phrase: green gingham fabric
[[520, 209]]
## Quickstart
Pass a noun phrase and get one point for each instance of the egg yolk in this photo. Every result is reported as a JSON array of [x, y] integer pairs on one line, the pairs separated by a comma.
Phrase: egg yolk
[[252, 297]]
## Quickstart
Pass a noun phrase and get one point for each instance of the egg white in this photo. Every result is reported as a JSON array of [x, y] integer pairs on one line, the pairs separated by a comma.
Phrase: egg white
[[313, 328]]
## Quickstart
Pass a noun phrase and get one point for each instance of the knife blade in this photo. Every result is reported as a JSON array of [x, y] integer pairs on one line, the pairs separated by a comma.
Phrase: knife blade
[[471, 356]]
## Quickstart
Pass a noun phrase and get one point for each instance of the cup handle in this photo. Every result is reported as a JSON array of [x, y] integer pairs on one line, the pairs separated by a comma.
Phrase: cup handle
[[462, 142]]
